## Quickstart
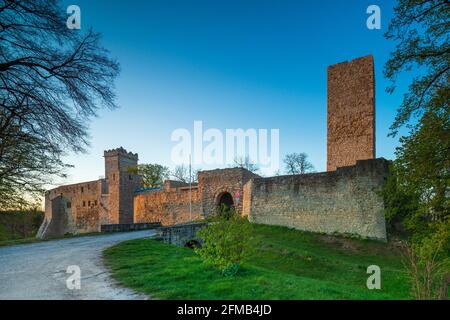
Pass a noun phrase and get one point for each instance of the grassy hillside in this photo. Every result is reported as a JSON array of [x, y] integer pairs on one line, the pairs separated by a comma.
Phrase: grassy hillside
[[16, 225], [286, 264]]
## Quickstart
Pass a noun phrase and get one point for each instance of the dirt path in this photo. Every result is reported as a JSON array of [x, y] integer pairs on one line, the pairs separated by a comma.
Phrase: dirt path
[[38, 270]]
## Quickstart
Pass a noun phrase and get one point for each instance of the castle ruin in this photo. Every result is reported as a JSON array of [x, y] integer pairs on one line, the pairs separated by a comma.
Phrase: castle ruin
[[343, 200]]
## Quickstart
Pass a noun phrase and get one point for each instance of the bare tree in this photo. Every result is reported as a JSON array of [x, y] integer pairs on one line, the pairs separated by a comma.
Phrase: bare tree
[[52, 81], [181, 173], [297, 163], [246, 163]]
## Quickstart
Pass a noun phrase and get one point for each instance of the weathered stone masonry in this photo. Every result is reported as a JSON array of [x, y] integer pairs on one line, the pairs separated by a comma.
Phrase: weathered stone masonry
[[344, 200], [84, 207], [76, 208], [351, 113], [122, 184], [170, 205]]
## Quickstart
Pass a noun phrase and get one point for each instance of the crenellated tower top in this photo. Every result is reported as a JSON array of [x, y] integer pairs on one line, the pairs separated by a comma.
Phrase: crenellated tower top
[[120, 152]]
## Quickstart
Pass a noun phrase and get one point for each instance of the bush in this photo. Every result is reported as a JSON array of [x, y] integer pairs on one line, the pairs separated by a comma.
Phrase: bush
[[19, 224], [428, 264], [226, 242]]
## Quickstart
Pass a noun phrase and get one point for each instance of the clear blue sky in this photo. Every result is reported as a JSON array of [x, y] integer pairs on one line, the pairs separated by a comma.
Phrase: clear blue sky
[[232, 64]]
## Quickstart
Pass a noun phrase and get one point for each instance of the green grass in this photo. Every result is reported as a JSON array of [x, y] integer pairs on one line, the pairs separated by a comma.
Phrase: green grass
[[286, 264]]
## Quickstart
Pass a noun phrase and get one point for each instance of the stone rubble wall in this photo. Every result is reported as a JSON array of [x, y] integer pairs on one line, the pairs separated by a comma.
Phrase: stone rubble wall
[[213, 183], [74, 209], [181, 234], [167, 206], [345, 201]]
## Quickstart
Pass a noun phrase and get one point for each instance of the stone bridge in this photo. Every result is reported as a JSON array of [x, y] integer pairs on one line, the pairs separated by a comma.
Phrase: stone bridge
[[182, 234]]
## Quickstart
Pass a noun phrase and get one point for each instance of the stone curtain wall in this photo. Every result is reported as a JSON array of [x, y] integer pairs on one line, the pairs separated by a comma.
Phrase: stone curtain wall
[[351, 112], [213, 183], [342, 200], [75, 208], [169, 206], [345, 201]]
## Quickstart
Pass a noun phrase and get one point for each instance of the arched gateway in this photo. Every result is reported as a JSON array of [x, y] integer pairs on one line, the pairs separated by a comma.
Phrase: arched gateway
[[225, 201]]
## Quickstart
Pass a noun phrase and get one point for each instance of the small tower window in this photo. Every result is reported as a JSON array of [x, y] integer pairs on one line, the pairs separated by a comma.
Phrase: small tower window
[[84, 203], [68, 205], [95, 202], [82, 189], [89, 203]]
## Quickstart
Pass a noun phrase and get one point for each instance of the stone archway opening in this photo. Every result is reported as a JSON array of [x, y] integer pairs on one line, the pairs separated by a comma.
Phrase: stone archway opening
[[225, 203], [225, 199], [193, 244]]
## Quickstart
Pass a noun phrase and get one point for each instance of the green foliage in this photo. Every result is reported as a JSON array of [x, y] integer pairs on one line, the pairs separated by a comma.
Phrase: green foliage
[[19, 224], [417, 196], [417, 193], [417, 190], [231, 270], [421, 31], [153, 175], [286, 264], [400, 205], [3, 233], [428, 264], [225, 242]]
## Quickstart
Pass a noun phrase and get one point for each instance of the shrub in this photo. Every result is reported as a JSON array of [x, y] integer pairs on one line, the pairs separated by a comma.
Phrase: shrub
[[428, 264], [225, 242], [19, 224]]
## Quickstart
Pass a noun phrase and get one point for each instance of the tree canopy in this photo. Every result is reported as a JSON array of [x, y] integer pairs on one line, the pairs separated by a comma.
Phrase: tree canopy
[[417, 192], [421, 30], [153, 175], [52, 81]]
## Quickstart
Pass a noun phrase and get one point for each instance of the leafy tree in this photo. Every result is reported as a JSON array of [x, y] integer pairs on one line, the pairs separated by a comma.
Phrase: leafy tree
[[52, 81], [152, 175], [417, 192], [297, 163], [422, 168], [422, 31]]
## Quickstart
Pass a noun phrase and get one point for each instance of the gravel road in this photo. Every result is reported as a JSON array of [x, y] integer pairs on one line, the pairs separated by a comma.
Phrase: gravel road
[[38, 270]]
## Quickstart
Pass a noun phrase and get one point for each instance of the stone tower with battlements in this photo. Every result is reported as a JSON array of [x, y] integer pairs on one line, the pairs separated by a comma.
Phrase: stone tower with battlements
[[122, 183], [351, 113], [344, 200]]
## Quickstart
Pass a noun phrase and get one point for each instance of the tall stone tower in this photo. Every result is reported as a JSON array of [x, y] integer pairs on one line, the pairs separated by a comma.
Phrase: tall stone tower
[[121, 184], [351, 112]]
